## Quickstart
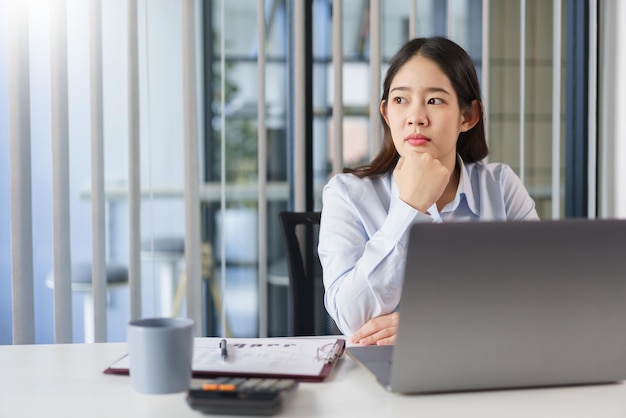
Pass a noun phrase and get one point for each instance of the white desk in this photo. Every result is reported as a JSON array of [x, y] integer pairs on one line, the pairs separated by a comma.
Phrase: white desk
[[67, 381]]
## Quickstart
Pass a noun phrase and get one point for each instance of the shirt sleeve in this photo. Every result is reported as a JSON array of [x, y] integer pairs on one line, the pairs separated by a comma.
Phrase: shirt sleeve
[[518, 204], [362, 249]]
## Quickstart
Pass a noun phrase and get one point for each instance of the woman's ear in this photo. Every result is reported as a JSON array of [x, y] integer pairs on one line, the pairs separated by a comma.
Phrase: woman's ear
[[471, 116], [383, 110]]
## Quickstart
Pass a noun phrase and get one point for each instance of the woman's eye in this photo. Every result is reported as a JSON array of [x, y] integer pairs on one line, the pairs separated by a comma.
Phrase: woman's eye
[[399, 100], [435, 101]]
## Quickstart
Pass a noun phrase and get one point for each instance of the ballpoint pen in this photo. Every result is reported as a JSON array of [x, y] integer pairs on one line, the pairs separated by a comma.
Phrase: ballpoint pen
[[224, 349]]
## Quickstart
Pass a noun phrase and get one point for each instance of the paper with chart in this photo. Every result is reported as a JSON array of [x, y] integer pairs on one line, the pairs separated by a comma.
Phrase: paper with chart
[[296, 356]]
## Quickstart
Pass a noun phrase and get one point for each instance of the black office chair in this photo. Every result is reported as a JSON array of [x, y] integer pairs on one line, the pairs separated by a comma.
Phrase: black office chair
[[307, 314]]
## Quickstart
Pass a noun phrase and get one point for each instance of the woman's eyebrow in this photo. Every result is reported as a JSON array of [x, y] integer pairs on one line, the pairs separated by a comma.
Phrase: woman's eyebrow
[[427, 90]]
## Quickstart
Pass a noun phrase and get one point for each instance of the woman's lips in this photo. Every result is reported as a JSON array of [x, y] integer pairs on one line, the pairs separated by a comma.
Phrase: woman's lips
[[417, 139]]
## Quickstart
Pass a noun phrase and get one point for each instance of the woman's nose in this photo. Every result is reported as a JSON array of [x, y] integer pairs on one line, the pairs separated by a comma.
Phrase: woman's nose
[[418, 116]]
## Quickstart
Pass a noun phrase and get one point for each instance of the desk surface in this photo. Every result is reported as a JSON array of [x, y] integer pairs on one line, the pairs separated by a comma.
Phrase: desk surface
[[67, 381]]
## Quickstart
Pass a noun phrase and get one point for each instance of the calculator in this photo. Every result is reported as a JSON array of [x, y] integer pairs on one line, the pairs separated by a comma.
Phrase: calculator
[[240, 395]]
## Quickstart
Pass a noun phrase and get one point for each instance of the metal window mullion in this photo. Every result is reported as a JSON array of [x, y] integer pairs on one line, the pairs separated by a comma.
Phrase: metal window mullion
[[192, 201], [262, 172], [98, 206], [134, 164], [486, 26], [576, 117], [337, 56], [375, 77], [299, 143], [20, 173], [556, 109], [592, 106], [60, 175], [223, 166], [522, 90]]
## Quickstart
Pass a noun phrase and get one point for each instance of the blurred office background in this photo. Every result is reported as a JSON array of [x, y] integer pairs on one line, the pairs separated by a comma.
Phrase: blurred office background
[[199, 121]]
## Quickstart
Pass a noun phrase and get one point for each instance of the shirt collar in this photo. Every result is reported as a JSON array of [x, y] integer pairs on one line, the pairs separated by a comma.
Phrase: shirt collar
[[395, 193], [465, 187]]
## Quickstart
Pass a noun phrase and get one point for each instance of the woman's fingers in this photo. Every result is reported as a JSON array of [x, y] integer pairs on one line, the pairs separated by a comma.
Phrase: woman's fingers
[[380, 330]]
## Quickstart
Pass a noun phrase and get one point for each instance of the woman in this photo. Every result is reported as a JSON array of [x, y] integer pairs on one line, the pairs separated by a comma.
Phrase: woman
[[429, 169]]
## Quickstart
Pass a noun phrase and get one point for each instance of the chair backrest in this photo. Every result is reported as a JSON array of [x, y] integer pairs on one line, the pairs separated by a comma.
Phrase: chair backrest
[[307, 314]]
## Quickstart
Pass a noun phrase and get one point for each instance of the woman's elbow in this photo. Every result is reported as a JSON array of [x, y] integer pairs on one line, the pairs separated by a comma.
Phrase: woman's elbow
[[345, 319]]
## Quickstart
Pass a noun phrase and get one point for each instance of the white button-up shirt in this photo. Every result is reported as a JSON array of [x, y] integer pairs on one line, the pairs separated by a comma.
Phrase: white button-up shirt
[[365, 226]]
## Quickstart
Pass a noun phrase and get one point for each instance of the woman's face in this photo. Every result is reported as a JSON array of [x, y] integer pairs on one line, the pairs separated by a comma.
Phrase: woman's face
[[423, 111]]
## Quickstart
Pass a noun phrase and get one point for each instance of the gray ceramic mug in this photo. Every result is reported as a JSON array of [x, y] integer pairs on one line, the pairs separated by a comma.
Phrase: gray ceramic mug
[[160, 352]]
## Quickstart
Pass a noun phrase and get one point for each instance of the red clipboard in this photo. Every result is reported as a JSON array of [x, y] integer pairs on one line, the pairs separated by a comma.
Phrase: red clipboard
[[297, 365]]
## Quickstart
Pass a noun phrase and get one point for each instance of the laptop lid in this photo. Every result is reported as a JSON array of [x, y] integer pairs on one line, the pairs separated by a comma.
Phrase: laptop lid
[[511, 304]]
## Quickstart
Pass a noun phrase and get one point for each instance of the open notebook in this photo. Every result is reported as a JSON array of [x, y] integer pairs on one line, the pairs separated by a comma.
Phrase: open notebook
[[503, 305]]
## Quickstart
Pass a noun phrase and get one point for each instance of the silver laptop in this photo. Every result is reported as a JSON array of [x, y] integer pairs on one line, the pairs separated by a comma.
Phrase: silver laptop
[[508, 305]]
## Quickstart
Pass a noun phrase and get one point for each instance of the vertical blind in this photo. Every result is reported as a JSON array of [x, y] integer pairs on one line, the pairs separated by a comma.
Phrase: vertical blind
[[20, 148], [20, 171], [556, 109], [134, 161], [98, 203], [262, 169], [192, 201], [60, 174]]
